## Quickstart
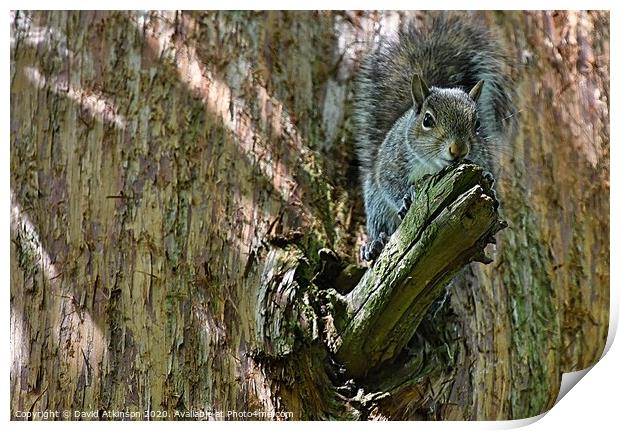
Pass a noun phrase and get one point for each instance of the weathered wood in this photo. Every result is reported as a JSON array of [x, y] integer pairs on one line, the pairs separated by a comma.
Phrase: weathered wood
[[154, 154], [453, 217]]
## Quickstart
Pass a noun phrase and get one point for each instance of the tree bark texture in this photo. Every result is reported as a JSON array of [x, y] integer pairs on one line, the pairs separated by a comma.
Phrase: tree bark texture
[[186, 215]]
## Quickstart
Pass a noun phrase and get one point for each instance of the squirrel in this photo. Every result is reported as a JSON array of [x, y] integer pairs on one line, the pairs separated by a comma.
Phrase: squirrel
[[406, 129]]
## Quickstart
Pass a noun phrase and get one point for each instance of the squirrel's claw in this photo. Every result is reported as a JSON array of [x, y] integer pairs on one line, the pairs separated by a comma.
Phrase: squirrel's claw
[[372, 250], [489, 182], [406, 202]]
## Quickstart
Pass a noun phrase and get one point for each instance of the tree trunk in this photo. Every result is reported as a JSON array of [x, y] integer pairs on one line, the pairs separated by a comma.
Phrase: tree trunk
[[186, 217]]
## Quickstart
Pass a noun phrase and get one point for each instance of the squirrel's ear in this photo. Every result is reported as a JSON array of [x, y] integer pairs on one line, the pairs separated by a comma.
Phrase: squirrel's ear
[[419, 90], [475, 92]]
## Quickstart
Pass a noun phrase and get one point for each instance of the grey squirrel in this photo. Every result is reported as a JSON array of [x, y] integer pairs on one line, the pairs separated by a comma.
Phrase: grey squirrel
[[406, 129]]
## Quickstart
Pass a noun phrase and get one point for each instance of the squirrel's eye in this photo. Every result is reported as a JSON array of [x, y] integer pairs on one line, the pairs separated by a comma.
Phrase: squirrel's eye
[[477, 126], [428, 121]]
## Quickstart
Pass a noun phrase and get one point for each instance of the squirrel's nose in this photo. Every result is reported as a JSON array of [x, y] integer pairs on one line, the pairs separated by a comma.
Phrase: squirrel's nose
[[457, 151]]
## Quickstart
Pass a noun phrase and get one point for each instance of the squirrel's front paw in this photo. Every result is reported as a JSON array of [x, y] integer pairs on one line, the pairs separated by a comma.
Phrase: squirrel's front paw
[[488, 184], [406, 202], [370, 251]]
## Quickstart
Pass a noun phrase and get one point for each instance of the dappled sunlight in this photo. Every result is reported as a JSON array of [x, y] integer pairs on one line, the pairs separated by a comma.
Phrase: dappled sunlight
[[247, 217], [24, 31], [231, 110], [22, 226], [20, 345], [186, 208], [91, 101], [33, 35], [73, 326]]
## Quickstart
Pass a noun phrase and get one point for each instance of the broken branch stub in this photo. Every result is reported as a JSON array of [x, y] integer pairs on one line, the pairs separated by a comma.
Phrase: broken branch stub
[[451, 220]]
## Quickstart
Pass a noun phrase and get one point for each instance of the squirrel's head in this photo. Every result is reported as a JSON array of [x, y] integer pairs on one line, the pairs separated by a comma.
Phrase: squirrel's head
[[446, 124]]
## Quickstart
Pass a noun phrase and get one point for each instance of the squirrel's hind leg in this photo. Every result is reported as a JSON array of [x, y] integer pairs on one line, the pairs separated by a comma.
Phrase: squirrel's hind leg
[[372, 249]]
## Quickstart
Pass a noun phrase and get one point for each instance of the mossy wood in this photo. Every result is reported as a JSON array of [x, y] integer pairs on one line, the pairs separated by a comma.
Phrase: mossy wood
[[452, 218]]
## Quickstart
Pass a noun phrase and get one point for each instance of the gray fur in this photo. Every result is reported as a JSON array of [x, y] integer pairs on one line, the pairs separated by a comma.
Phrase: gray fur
[[394, 148]]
